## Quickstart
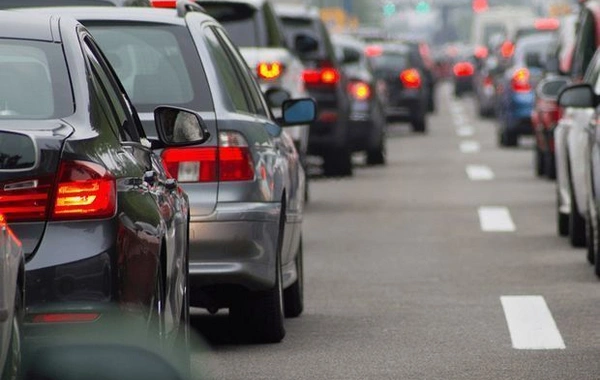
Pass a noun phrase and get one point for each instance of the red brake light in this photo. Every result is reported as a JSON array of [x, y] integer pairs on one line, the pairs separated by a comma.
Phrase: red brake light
[[360, 90], [269, 70], [507, 49], [411, 79], [164, 3], [488, 81], [231, 161], [520, 81], [481, 52], [26, 200], [373, 51], [84, 190], [547, 24], [463, 69], [480, 6], [65, 317], [323, 76]]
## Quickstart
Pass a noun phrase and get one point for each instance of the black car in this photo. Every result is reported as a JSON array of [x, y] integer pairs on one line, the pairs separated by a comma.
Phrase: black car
[[406, 92], [326, 83], [104, 229], [367, 117]]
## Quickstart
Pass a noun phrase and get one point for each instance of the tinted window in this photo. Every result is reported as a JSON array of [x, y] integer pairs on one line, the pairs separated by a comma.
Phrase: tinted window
[[586, 46], [155, 64], [241, 21], [16, 151], [390, 61], [34, 81], [312, 28]]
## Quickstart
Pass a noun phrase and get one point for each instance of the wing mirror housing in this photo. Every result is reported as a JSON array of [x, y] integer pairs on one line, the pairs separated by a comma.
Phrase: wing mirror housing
[[305, 44], [298, 112], [179, 127], [550, 88], [578, 96], [276, 96], [350, 56]]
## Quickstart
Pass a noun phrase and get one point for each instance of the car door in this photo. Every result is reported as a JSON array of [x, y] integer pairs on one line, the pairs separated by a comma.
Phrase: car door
[[146, 208]]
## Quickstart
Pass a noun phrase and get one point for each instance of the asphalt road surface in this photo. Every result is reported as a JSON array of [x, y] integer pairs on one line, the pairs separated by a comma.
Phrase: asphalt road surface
[[445, 264]]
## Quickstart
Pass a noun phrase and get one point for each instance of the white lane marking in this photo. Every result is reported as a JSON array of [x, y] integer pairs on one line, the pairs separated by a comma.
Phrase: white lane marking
[[496, 219], [479, 173], [469, 146], [531, 324], [466, 131]]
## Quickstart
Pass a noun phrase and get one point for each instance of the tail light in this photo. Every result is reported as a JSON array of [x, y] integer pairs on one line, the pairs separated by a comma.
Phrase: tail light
[[83, 190], [463, 69], [373, 51], [507, 49], [326, 76], [488, 81], [411, 79], [231, 161], [164, 3], [481, 52], [520, 81], [65, 317], [269, 70], [546, 24], [359, 90]]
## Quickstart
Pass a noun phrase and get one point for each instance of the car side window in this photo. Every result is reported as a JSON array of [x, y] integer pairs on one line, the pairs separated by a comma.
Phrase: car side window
[[592, 75], [109, 86], [255, 92], [586, 46], [229, 78]]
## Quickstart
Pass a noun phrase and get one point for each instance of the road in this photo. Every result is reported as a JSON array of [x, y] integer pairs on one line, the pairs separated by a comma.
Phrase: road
[[418, 270]]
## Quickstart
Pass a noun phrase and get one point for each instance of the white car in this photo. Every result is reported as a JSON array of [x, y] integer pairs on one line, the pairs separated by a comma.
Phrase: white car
[[11, 300]]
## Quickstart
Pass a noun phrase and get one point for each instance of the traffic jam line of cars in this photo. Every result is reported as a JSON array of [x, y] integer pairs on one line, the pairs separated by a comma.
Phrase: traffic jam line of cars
[[153, 160]]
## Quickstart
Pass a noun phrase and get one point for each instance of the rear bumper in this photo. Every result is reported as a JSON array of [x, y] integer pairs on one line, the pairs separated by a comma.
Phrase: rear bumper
[[406, 106], [234, 246]]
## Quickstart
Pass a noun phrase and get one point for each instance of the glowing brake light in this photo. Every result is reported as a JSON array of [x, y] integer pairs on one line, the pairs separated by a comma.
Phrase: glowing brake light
[[463, 69], [411, 79], [373, 51], [269, 70], [507, 49], [322, 76], [520, 81], [164, 3], [360, 90], [65, 317], [481, 52], [547, 24]]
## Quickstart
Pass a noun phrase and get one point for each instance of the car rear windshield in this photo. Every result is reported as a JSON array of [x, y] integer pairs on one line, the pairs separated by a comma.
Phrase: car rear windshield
[[34, 81], [540, 44], [390, 61], [295, 26], [156, 64]]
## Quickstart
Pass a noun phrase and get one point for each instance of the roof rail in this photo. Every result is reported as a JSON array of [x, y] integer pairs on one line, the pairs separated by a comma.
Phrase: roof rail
[[185, 6]]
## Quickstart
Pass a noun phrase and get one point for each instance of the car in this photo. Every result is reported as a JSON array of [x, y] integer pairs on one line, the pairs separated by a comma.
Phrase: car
[[325, 82], [515, 89], [501, 20], [254, 27], [245, 184], [104, 228], [407, 96], [572, 144], [12, 268], [367, 118], [463, 72], [423, 60]]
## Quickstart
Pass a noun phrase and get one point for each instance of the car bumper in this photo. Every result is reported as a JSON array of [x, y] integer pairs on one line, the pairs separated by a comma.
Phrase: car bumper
[[235, 246]]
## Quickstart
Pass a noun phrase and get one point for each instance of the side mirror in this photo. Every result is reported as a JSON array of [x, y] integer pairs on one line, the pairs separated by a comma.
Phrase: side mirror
[[533, 59], [304, 44], [298, 112], [350, 56], [179, 127], [276, 96], [578, 96], [550, 88]]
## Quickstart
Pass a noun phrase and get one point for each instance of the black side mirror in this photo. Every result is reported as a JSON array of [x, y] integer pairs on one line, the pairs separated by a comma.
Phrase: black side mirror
[[276, 96], [304, 44], [350, 56], [180, 127], [533, 59], [550, 88], [578, 96], [298, 112]]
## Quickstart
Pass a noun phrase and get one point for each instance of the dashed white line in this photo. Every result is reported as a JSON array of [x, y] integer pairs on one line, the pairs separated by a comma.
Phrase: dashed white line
[[470, 146], [479, 173], [531, 324], [466, 131], [496, 219]]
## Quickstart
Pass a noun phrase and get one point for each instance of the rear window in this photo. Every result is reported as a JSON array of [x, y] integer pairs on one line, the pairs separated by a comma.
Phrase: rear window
[[390, 61], [34, 81], [295, 26], [241, 21], [542, 45], [156, 64]]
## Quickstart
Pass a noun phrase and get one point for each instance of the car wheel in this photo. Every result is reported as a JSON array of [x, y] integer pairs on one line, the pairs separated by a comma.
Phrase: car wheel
[[538, 161], [338, 163], [509, 139], [576, 224], [293, 297], [419, 124], [12, 366], [377, 156], [549, 165], [591, 232], [562, 220]]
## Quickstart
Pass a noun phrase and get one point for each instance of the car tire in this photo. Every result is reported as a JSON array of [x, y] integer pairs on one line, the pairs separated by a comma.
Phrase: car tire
[[377, 156], [419, 124], [576, 224], [562, 220], [538, 161], [549, 165], [591, 232], [13, 365], [338, 163], [259, 316], [293, 296]]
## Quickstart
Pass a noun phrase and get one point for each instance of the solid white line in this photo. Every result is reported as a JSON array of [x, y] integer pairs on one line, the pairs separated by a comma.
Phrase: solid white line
[[531, 324], [479, 173], [496, 219], [469, 146], [466, 131]]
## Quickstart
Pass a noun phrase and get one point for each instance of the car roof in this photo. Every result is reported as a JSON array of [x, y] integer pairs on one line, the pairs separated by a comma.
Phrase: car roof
[[9, 4], [31, 27], [297, 11], [254, 3], [135, 14], [348, 40]]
